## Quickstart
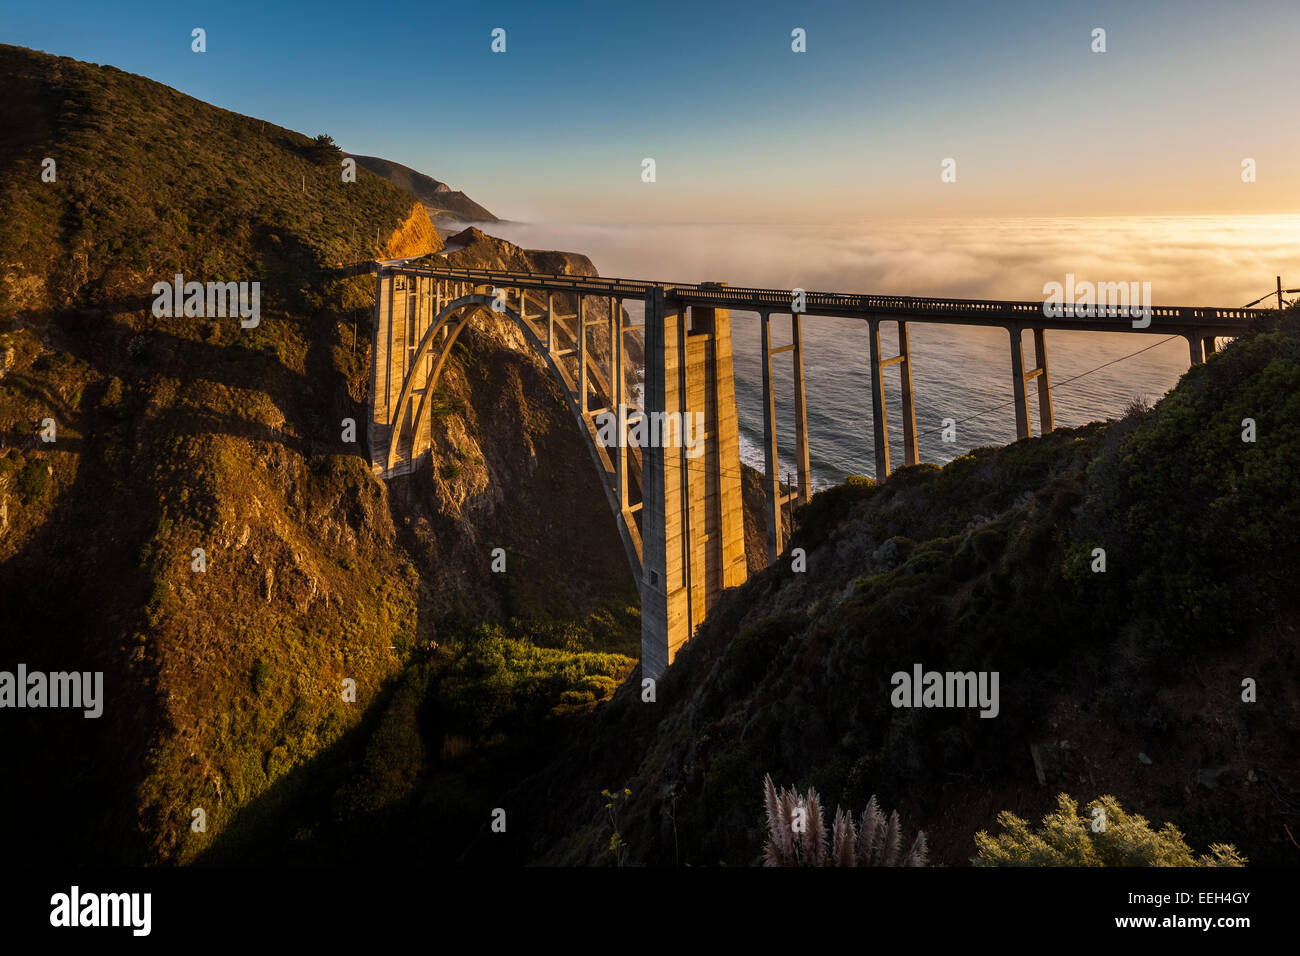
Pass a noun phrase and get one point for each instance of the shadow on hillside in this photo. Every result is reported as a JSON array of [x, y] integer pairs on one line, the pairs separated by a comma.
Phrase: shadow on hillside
[[316, 401], [74, 594], [280, 826], [359, 801], [77, 572], [346, 805]]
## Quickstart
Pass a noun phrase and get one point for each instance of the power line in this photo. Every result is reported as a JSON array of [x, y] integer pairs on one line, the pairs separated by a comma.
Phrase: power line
[[1281, 303], [1053, 386]]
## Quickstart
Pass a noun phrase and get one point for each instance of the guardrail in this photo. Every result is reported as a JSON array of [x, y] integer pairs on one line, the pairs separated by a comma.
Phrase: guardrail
[[979, 311]]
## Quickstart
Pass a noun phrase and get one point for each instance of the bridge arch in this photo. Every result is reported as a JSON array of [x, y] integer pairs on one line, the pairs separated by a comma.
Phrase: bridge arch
[[444, 328]]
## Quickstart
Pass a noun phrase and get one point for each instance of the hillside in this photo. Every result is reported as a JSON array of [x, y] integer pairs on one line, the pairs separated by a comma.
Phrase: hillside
[[1127, 682], [223, 685], [440, 200]]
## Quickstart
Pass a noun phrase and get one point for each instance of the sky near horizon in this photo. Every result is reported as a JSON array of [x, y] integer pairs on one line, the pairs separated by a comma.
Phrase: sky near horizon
[[740, 127]]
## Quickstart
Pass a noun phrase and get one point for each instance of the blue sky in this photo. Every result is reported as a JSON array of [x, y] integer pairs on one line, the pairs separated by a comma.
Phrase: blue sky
[[741, 127]]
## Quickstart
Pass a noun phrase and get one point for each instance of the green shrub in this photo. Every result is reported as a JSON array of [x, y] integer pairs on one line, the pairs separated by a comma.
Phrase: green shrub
[[260, 677], [750, 654], [499, 682], [33, 482], [1107, 836], [112, 394]]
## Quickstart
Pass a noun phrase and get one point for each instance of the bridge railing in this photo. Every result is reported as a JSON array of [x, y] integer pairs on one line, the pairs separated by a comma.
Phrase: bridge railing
[[780, 300]]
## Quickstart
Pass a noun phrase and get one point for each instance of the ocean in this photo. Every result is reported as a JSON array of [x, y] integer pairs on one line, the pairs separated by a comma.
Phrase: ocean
[[958, 372]]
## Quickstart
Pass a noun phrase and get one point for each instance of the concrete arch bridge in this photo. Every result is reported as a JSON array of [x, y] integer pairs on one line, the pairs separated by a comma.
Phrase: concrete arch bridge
[[678, 504]]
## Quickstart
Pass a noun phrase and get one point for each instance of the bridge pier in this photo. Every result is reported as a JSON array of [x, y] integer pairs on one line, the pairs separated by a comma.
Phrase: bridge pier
[[550, 322], [879, 412], [1046, 420], [693, 535], [880, 426], [617, 332], [774, 498], [911, 453], [803, 465], [1020, 380], [771, 455], [1019, 393], [580, 329]]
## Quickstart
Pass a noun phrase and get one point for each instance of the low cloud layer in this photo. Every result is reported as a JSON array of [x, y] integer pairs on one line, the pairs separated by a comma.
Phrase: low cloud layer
[[1204, 260]]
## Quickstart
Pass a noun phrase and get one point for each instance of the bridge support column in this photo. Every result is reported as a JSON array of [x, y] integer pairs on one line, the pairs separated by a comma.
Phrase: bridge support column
[[724, 523], [665, 594], [693, 542], [1210, 345], [800, 413], [413, 340], [379, 427], [879, 411], [616, 400], [1197, 346], [879, 425], [1019, 393], [407, 300], [581, 330], [1046, 421], [550, 322], [771, 455], [911, 454]]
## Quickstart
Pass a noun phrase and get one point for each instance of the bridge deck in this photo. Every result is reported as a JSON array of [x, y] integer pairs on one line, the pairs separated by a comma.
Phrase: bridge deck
[[1183, 320]]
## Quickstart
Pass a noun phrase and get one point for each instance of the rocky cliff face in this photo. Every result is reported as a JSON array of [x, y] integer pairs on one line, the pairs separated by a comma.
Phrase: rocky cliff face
[[414, 236]]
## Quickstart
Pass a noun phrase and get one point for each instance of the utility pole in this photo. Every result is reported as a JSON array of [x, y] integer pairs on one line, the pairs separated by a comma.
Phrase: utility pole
[[1281, 303]]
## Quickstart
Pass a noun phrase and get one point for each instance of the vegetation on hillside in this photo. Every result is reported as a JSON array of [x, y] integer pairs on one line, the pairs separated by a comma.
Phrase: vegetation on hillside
[[1105, 836]]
